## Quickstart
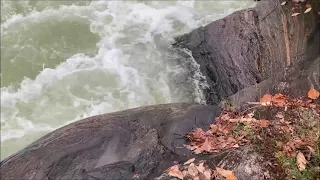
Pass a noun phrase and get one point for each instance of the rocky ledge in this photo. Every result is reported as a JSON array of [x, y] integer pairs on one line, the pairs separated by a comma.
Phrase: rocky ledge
[[243, 56], [257, 48]]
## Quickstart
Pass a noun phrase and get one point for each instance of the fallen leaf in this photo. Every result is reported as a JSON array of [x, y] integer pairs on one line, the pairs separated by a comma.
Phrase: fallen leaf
[[295, 14], [280, 116], [225, 117], [201, 167], [250, 115], [312, 151], [283, 3], [175, 172], [207, 174], [192, 170], [184, 173], [298, 143], [213, 128], [236, 146], [279, 100], [264, 123], [313, 94], [266, 175], [231, 177], [266, 100], [223, 172], [189, 161], [301, 161], [307, 10], [206, 146]]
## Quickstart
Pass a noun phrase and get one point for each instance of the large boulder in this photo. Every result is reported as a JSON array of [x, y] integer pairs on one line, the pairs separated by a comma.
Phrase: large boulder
[[132, 144], [252, 45]]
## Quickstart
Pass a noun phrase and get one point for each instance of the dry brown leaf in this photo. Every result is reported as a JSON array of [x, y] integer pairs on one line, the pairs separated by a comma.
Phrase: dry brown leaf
[[184, 173], [313, 94], [312, 151], [266, 100], [207, 174], [279, 100], [223, 172], [250, 115], [307, 10], [192, 170], [189, 161], [206, 146], [231, 177], [298, 143], [295, 14], [201, 167], [301, 161], [175, 172], [279, 115], [236, 146], [213, 128], [225, 117], [264, 123]]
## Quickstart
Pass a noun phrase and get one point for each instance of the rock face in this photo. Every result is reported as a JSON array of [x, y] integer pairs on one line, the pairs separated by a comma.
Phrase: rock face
[[252, 45], [132, 144]]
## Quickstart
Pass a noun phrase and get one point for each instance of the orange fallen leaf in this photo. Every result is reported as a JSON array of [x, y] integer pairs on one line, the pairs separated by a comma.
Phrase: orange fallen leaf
[[301, 161], [264, 123], [279, 100], [313, 94], [223, 172], [231, 177], [175, 172], [266, 100]]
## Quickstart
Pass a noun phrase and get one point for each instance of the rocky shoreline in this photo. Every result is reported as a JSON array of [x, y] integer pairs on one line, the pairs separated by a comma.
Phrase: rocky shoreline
[[243, 56]]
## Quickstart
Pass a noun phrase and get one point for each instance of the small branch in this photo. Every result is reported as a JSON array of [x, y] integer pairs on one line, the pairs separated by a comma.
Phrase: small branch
[[249, 109], [253, 103]]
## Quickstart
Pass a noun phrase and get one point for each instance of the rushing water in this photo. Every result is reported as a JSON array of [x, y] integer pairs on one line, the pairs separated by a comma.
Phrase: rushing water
[[65, 60]]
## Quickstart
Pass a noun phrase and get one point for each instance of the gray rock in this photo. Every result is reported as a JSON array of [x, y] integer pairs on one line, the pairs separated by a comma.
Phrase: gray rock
[[132, 144], [252, 45]]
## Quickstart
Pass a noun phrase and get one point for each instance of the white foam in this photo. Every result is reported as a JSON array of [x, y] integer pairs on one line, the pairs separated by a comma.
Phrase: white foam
[[113, 79]]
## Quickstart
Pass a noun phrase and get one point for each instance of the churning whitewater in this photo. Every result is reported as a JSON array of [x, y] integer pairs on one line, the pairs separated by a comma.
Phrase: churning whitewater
[[65, 60]]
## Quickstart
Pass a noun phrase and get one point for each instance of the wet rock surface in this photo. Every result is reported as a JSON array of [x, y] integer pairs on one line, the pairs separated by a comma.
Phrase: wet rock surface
[[132, 144], [251, 46]]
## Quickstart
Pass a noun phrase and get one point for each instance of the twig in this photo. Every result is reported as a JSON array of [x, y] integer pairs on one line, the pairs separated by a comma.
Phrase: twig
[[254, 103], [249, 109]]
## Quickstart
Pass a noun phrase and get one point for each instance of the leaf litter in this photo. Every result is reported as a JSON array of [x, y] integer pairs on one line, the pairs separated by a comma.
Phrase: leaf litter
[[233, 130]]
